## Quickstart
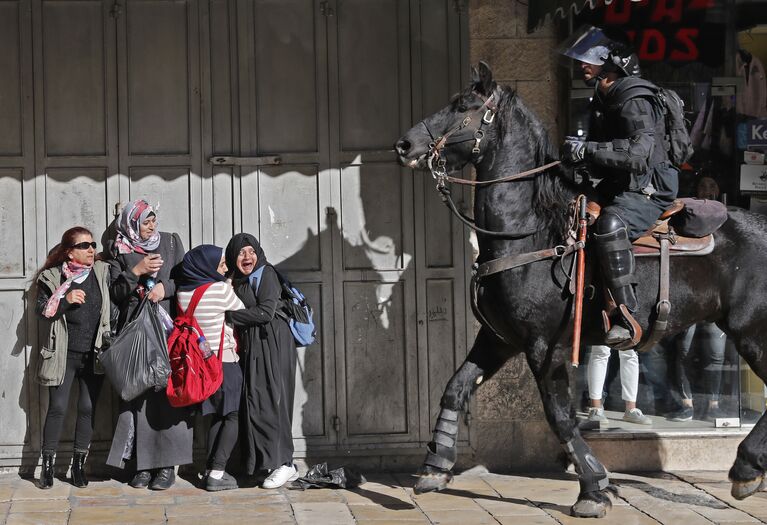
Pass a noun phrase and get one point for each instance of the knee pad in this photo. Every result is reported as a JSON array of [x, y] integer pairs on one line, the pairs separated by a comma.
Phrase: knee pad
[[609, 223]]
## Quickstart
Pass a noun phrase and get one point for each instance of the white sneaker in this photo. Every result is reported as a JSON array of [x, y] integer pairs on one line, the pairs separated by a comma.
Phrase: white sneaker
[[636, 416], [597, 414], [280, 476]]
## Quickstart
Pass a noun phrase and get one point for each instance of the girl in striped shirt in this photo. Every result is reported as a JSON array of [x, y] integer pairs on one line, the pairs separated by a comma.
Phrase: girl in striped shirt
[[205, 265]]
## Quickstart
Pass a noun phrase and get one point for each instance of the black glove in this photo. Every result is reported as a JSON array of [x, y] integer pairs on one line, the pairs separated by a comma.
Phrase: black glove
[[573, 151]]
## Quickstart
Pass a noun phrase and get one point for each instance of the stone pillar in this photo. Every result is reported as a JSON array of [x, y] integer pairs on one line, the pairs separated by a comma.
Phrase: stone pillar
[[508, 428]]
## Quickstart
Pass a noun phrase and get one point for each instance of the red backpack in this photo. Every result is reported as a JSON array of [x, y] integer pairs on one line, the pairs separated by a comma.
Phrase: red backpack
[[193, 378]]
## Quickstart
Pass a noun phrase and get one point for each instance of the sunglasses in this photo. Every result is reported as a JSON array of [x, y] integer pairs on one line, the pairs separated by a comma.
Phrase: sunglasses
[[84, 245]]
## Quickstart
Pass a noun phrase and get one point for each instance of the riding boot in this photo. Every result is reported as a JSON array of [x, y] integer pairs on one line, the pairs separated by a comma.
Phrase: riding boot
[[46, 474], [78, 469], [616, 259]]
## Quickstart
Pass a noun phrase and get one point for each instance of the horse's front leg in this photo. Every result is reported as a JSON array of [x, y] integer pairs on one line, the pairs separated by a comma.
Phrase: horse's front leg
[[550, 368], [485, 359]]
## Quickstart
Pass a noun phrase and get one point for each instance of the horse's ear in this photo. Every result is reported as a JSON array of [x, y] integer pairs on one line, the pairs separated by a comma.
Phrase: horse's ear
[[474, 76], [486, 84]]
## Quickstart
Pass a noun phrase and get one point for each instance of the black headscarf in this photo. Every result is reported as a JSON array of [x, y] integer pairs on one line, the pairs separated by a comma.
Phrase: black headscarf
[[200, 266], [237, 243]]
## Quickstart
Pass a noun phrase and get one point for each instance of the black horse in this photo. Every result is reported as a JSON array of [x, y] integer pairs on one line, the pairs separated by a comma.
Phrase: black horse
[[527, 307]]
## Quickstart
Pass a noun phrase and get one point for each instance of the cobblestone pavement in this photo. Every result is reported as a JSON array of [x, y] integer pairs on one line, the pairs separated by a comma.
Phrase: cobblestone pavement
[[687, 498]]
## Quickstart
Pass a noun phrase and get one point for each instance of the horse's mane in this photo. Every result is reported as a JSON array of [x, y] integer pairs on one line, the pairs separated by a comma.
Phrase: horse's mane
[[554, 189]]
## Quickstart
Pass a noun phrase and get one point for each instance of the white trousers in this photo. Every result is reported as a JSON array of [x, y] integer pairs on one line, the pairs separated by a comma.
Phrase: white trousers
[[597, 370]]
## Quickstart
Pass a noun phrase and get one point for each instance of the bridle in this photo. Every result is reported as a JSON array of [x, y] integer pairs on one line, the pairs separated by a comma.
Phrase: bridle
[[465, 131], [462, 132]]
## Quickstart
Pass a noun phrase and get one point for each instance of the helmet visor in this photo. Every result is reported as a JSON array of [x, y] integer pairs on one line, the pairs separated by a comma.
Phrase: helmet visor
[[588, 44]]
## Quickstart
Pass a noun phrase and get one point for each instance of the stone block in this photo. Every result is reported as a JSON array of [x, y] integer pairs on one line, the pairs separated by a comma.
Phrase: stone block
[[60, 490], [541, 97], [320, 513], [445, 500], [365, 512], [515, 58], [510, 395], [668, 453], [105, 515], [493, 19], [461, 517], [315, 495], [545, 519], [54, 505], [38, 518]]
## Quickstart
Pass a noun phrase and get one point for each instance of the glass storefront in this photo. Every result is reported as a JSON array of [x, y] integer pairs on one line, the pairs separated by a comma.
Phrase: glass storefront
[[694, 380]]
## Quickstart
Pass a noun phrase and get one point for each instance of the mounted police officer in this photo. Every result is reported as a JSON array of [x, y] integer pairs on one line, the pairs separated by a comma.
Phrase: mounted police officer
[[625, 147]]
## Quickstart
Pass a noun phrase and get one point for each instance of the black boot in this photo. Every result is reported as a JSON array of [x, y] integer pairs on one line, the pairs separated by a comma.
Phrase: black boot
[[78, 469], [616, 259], [46, 475], [164, 479]]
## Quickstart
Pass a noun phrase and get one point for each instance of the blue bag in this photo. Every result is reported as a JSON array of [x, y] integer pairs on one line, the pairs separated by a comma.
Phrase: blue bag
[[295, 310]]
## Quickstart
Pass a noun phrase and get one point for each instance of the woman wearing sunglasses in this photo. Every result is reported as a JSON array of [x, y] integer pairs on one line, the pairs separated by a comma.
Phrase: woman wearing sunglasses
[[151, 436], [73, 301]]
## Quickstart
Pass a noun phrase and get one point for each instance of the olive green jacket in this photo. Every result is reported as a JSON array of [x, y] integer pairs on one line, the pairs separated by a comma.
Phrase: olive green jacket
[[53, 355]]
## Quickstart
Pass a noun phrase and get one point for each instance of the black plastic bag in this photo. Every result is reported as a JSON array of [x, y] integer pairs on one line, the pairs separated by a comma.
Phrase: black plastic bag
[[319, 477], [137, 359]]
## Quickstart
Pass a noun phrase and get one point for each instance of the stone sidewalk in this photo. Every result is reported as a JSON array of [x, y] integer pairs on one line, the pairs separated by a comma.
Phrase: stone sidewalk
[[475, 497]]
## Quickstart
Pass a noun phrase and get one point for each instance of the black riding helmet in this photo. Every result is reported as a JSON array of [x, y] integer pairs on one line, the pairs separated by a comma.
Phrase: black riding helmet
[[592, 45]]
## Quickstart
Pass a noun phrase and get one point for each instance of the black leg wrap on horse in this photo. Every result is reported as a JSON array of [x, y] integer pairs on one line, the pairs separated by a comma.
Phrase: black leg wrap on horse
[[591, 474], [441, 453]]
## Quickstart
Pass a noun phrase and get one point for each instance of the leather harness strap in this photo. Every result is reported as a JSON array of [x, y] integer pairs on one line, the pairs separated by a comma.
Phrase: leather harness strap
[[507, 263], [663, 308], [514, 261], [510, 178]]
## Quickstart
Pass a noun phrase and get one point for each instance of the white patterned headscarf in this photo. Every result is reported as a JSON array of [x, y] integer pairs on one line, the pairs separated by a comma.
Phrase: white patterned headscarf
[[128, 239]]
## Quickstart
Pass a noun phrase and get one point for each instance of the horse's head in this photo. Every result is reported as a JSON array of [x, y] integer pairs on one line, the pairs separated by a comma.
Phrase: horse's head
[[454, 135]]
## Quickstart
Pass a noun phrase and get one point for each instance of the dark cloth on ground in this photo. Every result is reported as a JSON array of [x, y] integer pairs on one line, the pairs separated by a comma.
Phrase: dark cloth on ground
[[149, 430], [80, 367]]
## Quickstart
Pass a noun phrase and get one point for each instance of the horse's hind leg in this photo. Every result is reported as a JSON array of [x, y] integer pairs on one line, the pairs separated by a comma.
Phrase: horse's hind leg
[[485, 358], [550, 370], [748, 472]]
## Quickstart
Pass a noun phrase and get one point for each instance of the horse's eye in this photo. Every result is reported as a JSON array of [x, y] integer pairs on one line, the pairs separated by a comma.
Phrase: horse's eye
[[462, 108]]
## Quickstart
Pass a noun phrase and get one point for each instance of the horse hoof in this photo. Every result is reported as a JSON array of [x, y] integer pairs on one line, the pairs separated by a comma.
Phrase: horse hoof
[[431, 482], [743, 489], [586, 508]]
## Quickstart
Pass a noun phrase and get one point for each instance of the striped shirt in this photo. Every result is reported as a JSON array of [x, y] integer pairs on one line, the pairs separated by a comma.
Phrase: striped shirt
[[216, 300]]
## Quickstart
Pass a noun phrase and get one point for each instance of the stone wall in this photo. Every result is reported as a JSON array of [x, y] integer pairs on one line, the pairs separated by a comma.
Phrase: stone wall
[[509, 431]]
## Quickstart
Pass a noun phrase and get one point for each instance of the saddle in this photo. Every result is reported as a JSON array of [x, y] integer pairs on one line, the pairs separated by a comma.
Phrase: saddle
[[659, 241], [648, 245]]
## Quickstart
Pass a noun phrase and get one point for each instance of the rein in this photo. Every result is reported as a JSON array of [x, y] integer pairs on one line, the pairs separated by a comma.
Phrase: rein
[[437, 166]]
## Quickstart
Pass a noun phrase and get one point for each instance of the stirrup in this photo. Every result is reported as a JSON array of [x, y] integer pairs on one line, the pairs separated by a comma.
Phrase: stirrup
[[635, 331]]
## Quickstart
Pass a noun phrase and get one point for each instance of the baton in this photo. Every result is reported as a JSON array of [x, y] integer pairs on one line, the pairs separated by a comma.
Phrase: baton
[[579, 278]]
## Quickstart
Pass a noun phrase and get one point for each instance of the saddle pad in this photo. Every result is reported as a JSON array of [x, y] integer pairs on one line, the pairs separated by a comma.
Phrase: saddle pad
[[649, 246]]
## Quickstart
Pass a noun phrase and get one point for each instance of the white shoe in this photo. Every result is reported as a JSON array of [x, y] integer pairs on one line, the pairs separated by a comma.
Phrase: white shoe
[[280, 476], [597, 414], [636, 416]]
